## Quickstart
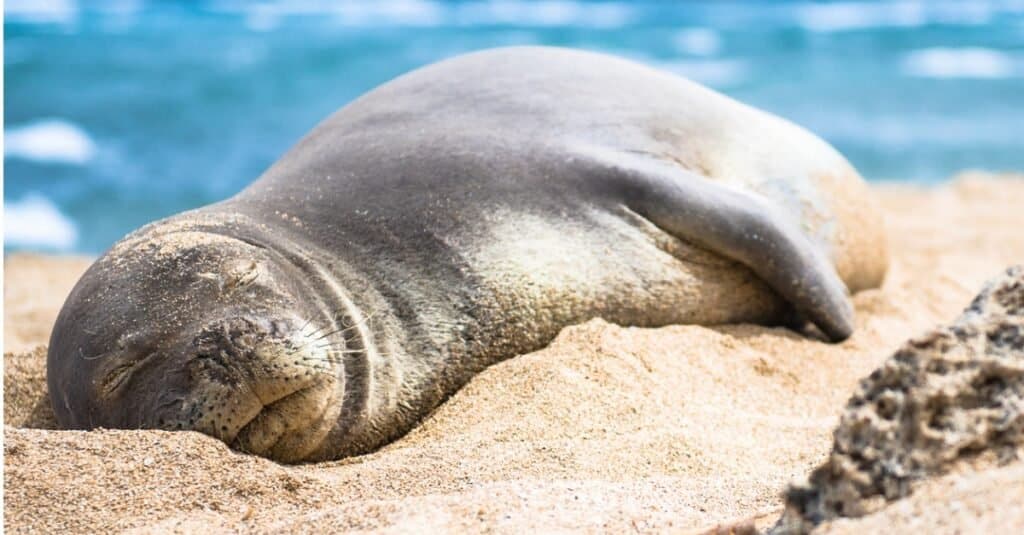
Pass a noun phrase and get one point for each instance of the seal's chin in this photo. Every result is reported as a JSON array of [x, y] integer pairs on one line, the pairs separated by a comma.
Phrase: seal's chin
[[293, 427], [264, 387]]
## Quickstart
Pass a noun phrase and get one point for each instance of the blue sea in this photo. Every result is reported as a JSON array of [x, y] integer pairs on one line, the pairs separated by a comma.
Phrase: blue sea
[[121, 112]]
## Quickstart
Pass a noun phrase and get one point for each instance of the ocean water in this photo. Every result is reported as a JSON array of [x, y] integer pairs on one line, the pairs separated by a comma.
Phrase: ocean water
[[121, 112]]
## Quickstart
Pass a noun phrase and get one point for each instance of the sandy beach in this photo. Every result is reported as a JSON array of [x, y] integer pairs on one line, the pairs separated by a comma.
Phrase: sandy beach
[[609, 429]]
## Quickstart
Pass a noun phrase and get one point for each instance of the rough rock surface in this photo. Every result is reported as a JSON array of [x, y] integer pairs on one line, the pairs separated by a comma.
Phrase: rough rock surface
[[982, 502], [949, 400]]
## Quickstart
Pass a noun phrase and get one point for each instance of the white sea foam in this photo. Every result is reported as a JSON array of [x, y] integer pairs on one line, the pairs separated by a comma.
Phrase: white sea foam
[[41, 11], [841, 16], [397, 12], [543, 13], [262, 18], [855, 15], [119, 16], [960, 63], [34, 221], [49, 140], [698, 41], [267, 15]]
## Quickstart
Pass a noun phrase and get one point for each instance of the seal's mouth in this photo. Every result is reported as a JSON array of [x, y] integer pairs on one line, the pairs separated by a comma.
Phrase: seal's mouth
[[288, 429], [249, 428]]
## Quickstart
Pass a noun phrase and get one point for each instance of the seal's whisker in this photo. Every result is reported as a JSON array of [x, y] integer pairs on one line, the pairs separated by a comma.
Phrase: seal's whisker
[[334, 354], [304, 325], [319, 369], [326, 345], [347, 352], [329, 333], [314, 332], [308, 342], [340, 330], [329, 345], [367, 317], [337, 359], [346, 328], [326, 360]]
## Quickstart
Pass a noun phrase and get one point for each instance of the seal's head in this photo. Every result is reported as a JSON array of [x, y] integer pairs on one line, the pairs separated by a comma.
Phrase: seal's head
[[199, 330]]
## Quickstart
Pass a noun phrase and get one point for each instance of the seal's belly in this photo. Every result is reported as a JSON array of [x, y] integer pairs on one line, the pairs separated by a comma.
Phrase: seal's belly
[[612, 264]]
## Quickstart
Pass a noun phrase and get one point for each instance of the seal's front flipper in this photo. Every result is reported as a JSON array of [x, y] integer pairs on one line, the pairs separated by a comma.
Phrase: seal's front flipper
[[736, 224]]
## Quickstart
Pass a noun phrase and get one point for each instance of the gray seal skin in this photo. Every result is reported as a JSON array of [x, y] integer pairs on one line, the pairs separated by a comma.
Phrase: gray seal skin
[[457, 216]]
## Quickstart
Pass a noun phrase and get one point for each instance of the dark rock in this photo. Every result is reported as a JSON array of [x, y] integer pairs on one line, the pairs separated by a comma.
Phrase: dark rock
[[950, 398]]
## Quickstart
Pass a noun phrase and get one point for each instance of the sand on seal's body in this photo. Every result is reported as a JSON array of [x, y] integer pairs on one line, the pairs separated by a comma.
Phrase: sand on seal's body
[[609, 428]]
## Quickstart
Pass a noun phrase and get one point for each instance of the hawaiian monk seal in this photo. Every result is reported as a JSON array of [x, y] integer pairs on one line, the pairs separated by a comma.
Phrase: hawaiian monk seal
[[459, 215]]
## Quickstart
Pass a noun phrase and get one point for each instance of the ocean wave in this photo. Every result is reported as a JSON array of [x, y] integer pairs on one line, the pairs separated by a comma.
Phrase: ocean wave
[[395, 12], [960, 63], [36, 12], [34, 221], [49, 140], [845, 16], [698, 41], [842, 16], [115, 15], [427, 13], [267, 15], [262, 18], [542, 13]]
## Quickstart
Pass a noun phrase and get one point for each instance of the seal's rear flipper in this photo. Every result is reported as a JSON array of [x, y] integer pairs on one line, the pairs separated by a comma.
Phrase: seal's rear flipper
[[736, 224]]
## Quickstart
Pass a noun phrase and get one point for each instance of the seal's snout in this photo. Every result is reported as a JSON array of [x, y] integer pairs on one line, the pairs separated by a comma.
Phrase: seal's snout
[[256, 355], [263, 386]]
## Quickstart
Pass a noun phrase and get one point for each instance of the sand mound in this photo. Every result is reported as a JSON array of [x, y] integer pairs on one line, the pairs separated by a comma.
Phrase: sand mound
[[25, 402], [609, 428], [34, 289]]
